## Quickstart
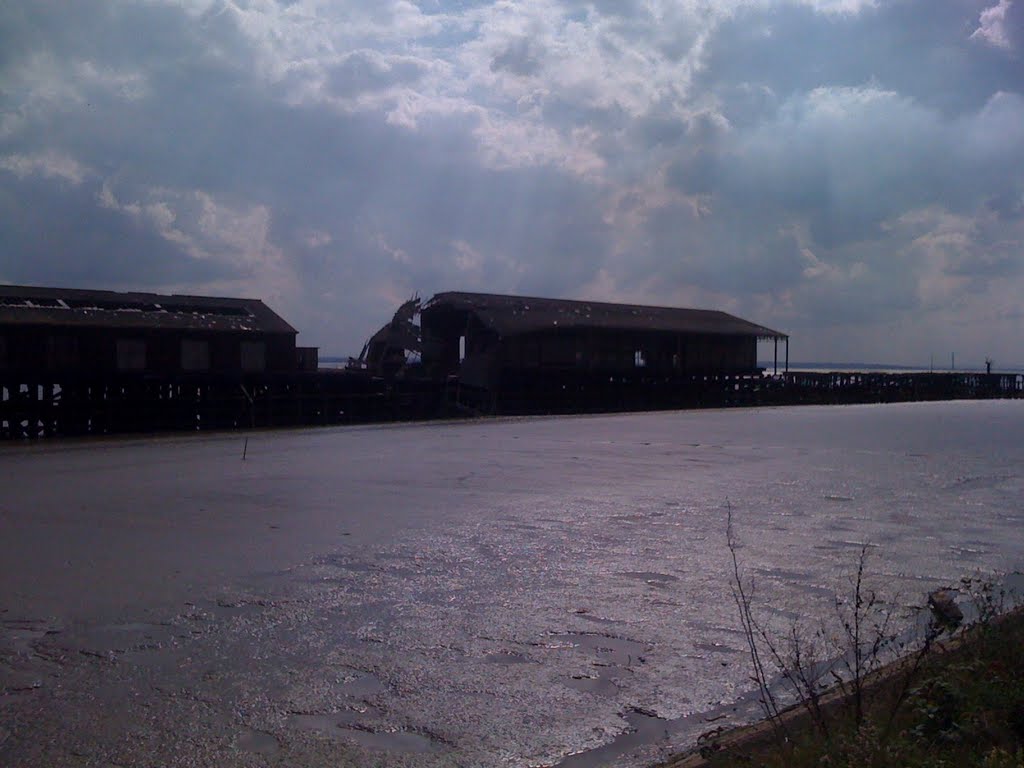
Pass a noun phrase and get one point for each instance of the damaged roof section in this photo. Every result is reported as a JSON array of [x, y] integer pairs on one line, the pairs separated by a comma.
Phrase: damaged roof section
[[27, 305], [512, 315]]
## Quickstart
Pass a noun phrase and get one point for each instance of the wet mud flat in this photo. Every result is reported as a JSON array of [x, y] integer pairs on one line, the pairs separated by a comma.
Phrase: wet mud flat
[[527, 592], [205, 688]]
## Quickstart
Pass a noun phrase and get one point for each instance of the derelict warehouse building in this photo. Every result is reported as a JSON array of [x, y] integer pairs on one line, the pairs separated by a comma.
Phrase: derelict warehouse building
[[56, 329], [91, 362], [77, 362], [524, 350]]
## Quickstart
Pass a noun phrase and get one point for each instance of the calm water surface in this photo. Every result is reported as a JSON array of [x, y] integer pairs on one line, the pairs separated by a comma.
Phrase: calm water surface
[[501, 593]]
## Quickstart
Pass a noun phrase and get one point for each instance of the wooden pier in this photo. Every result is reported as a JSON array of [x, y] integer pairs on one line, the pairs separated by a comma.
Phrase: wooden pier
[[104, 405], [838, 387], [75, 405]]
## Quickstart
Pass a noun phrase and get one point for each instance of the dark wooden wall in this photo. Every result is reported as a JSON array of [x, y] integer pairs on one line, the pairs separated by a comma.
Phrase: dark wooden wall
[[95, 350], [618, 351]]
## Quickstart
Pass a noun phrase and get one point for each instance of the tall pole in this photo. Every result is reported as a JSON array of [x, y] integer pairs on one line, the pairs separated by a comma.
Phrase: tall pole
[[787, 354], [776, 355]]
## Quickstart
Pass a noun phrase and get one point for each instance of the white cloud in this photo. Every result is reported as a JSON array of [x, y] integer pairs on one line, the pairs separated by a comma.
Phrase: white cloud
[[997, 131], [811, 162], [992, 27], [398, 255], [156, 214], [49, 165], [207, 229], [43, 86]]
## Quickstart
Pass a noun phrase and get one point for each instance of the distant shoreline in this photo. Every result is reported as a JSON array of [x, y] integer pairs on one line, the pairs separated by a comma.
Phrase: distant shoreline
[[885, 368], [333, 361]]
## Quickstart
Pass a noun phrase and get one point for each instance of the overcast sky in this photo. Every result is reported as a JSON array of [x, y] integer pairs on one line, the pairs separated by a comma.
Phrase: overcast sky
[[848, 171]]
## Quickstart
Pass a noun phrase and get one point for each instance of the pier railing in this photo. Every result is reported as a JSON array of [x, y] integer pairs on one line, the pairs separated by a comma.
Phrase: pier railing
[[797, 387]]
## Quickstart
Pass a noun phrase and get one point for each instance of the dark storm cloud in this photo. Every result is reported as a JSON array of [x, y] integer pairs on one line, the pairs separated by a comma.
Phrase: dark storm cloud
[[57, 235], [696, 172]]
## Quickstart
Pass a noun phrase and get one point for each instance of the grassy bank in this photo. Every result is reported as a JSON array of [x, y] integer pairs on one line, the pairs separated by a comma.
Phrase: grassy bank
[[961, 704]]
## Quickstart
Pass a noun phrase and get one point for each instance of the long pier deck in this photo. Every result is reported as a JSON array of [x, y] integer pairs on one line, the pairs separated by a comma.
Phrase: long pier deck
[[55, 406]]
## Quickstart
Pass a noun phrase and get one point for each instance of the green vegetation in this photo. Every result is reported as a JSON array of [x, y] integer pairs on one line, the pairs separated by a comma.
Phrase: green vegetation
[[964, 707], [869, 688]]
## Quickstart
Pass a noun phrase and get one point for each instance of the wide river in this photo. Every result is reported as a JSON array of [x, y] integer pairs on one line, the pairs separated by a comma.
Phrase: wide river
[[523, 592]]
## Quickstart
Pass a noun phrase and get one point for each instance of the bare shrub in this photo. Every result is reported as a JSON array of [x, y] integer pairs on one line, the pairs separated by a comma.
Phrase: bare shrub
[[813, 658]]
